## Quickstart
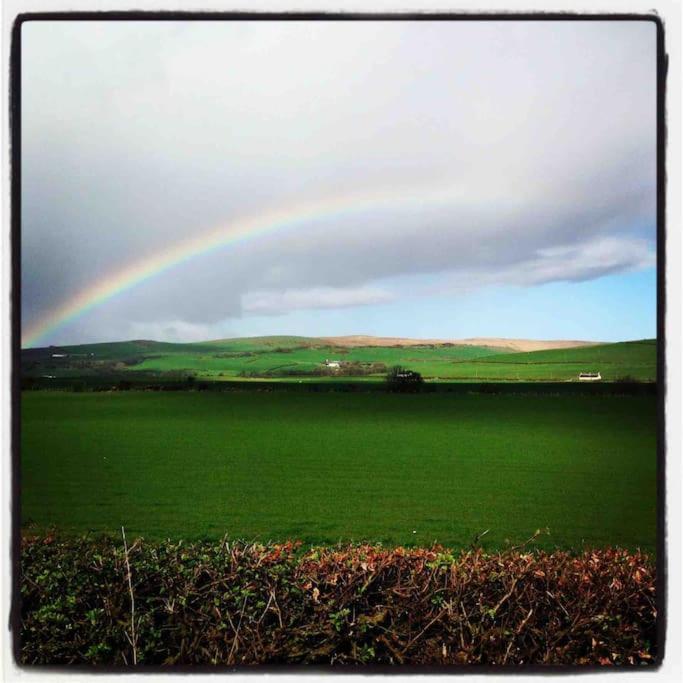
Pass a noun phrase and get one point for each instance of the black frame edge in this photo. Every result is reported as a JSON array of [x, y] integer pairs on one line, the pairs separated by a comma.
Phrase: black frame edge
[[662, 62]]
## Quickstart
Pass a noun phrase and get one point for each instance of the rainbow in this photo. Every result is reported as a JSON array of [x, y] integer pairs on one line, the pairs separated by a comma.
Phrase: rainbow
[[240, 230]]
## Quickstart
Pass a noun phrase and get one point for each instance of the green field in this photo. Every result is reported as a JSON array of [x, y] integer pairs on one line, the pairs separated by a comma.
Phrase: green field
[[635, 360], [401, 469], [302, 357], [306, 360]]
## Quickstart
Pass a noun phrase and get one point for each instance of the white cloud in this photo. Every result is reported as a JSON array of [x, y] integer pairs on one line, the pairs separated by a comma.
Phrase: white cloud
[[273, 302], [574, 263], [169, 330], [567, 263]]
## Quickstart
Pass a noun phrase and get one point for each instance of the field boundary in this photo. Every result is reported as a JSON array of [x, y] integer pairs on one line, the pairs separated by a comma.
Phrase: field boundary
[[528, 388], [227, 604]]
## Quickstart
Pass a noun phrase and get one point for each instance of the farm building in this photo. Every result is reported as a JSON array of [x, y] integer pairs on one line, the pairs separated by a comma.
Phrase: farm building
[[332, 364], [590, 377]]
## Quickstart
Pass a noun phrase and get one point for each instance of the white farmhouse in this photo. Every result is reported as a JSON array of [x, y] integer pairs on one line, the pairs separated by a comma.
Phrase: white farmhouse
[[335, 364], [590, 377]]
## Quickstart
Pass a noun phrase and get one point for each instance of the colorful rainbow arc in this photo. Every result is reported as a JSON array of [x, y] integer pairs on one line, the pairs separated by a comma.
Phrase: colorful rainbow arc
[[243, 229]]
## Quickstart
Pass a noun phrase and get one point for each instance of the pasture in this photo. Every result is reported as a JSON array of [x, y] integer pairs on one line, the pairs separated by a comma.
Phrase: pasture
[[397, 469], [304, 358]]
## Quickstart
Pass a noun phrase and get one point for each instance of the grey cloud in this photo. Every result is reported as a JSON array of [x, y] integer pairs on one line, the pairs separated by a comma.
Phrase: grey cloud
[[138, 136]]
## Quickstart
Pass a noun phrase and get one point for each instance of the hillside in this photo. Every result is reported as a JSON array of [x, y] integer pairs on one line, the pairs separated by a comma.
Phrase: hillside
[[352, 341], [318, 359], [639, 352], [636, 360]]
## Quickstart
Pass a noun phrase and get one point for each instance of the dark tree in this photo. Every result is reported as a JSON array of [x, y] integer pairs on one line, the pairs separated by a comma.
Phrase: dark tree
[[402, 380]]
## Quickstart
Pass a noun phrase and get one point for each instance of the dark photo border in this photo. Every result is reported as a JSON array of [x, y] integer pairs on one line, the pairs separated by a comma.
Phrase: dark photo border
[[15, 310]]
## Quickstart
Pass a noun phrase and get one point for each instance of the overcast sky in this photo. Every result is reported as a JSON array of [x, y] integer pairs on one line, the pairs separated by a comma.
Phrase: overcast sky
[[538, 137]]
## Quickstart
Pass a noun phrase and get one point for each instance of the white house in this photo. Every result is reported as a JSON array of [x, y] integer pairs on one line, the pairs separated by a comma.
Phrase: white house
[[590, 377], [332, 364]]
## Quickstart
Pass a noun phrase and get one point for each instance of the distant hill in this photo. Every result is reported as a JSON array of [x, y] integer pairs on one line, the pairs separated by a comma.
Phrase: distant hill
[[265, 342], [623, 361], [147, 346], [524, 345], [333, 358], [642, 351]]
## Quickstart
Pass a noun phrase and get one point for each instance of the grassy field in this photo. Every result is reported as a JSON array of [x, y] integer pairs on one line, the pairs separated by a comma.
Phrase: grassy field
[[301, 357], [426, 360], [627, 360], [401, 469]]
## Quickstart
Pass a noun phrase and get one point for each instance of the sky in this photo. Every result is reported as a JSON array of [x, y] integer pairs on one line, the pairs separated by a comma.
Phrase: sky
[[185, 181]]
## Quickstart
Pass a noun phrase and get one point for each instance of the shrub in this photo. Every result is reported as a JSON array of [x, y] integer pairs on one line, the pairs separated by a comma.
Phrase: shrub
[[402, 380], [225, 603]]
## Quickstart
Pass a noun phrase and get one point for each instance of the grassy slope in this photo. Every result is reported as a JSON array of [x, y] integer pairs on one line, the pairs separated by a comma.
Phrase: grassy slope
[[637, 359], [308, 359], [329, 466], [141, 347], [228, 358], [264, 343]]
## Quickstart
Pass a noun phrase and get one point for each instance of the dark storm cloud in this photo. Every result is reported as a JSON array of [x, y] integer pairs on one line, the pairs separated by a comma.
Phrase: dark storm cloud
[[137, 136]]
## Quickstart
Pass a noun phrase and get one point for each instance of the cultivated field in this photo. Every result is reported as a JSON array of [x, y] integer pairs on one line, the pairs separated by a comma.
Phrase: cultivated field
[[400, 469], [302, 358]]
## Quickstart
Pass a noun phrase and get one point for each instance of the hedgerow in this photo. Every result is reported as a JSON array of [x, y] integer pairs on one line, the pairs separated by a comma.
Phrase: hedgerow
[[226, 603]]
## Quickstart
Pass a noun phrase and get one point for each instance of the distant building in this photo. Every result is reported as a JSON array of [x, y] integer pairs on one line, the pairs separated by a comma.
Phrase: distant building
[[332, 364], [59, 355], [590, 377]]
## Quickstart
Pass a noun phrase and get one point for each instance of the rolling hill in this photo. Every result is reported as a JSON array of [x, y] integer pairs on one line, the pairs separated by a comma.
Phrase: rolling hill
[[489, 342], [358, 357]]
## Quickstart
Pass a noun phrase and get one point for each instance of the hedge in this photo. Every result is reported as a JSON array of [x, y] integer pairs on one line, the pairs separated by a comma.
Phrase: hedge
[[231, 604]]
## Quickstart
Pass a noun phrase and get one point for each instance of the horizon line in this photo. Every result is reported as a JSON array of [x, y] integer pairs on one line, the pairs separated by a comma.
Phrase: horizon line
[[328, 338]]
